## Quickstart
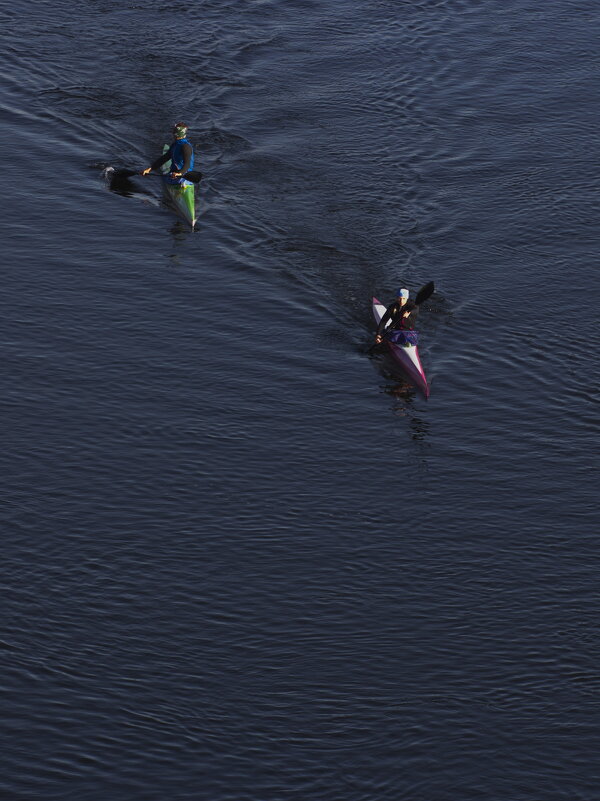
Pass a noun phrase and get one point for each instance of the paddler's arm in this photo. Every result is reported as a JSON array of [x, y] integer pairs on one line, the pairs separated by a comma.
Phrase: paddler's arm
[[388, 315], [156, 165]]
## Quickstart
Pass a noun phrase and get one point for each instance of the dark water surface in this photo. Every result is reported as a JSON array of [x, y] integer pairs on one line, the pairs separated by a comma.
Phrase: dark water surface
[[241, 560]]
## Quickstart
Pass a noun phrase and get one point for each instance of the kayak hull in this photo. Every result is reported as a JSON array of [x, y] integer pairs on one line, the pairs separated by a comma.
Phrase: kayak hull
[[407, 356], [181, 197]]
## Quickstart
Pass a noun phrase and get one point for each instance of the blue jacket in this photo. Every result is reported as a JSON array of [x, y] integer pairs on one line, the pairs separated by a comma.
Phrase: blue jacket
[[178, 155]]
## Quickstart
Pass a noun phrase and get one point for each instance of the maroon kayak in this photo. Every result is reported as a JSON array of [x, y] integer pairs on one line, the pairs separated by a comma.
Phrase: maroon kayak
[[407, 356]]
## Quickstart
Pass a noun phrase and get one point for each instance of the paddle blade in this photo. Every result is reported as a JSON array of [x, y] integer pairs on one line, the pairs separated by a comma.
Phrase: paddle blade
[[117, 180], [424, 293]]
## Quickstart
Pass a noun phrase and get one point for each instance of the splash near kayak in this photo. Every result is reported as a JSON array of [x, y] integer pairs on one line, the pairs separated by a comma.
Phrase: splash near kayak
[[406, 355]]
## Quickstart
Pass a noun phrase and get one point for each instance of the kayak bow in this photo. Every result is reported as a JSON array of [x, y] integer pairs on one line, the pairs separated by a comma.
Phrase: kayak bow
[[407, 356], [179, 196]]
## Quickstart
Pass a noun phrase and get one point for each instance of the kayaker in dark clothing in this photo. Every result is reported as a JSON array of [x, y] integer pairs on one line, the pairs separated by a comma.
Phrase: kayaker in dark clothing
[[401, 315], [180, 154]]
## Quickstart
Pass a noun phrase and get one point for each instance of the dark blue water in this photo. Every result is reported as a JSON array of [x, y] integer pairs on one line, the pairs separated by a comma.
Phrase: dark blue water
[[242, 559]]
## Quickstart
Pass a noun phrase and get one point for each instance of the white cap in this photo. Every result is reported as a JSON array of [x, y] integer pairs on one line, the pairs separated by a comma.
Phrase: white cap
[[402, 293]]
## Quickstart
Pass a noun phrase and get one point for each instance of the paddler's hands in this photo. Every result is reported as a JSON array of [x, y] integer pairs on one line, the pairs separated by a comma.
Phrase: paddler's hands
[[378, 339], [176, 174], [145, 172]]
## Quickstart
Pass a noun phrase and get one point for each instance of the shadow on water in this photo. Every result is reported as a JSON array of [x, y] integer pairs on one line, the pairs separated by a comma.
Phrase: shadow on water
[[404, 394], [180, 232], [119, 182]]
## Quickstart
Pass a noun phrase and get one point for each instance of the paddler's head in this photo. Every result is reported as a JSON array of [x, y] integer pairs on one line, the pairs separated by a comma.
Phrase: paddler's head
[[402, 296], [179, 130]]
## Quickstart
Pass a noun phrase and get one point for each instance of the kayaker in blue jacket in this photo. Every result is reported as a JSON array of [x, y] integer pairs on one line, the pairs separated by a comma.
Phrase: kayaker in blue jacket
[[401, 315], [180, 153]]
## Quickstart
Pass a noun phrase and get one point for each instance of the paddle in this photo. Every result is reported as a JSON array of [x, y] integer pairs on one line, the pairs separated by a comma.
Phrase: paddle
[[194, 176], [422, 295]]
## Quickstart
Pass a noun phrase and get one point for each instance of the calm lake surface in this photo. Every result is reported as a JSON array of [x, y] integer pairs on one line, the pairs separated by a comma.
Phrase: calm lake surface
[[242, 559]]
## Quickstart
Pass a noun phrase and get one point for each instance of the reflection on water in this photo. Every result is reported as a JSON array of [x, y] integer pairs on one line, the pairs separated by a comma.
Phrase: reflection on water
[[402, 391], [405, 395], [180, 231]]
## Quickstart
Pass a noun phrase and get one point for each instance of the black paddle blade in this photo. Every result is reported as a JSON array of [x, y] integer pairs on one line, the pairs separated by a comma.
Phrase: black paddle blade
[[194, 176], [425, 292], [118, 181], [376, 347]]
